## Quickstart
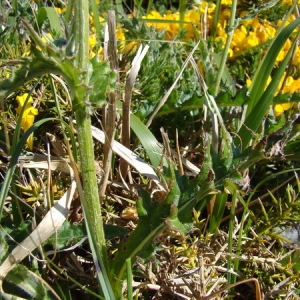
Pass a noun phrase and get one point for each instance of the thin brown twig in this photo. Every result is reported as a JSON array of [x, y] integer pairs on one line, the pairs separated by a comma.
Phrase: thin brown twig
[[110, 111]]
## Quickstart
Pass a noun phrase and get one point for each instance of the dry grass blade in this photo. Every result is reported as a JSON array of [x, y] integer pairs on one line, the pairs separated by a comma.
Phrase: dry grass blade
[[110, 109], [48, 226], [135, 161], [254, 280], [40, 162], [133, 73]]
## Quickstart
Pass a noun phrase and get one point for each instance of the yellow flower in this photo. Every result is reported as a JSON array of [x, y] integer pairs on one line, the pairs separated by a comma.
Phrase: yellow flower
[[296, 59], [278, 110], [92, 41], [289, 2], [47, 38], [28, 116], [281, 55], [252, 40], [60, 10], [226, 2], [238, 39], [209, 6], [248, 82], [295, 86], [265, 32], [287, 84], [193, 17]]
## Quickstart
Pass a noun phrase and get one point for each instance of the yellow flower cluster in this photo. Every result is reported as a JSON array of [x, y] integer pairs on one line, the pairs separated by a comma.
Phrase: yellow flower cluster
[[249, 34]]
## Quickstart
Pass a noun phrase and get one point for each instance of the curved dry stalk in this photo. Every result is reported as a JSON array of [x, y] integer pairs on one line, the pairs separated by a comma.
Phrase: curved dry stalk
[[254, 280], [110, 108], [130, 81]]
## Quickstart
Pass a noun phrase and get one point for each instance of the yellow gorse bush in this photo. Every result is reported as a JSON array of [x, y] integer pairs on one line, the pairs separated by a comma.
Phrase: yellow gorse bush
[[249, 34], [28, 115]]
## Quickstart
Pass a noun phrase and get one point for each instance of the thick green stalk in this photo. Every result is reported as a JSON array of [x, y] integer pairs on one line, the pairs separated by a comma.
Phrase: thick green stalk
[[89, 196]]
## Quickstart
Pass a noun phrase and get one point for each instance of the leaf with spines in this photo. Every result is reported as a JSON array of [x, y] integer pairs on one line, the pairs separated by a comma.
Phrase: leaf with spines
[[102, 81]]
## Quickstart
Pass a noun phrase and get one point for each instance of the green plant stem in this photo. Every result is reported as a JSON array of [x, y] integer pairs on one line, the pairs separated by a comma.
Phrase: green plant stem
[[149, 6], [216, 18], [231, 26], [129, 279], [89, 196], [182, 9]]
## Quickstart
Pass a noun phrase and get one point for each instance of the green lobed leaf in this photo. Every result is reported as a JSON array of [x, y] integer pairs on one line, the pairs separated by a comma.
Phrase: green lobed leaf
[[23, 283], [173, 221], [153, 218], [102, 81], [30, 68], [174, 212], [151, 223]]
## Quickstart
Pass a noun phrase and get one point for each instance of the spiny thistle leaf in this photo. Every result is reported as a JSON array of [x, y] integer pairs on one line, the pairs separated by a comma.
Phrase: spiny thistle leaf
[[102, 81]]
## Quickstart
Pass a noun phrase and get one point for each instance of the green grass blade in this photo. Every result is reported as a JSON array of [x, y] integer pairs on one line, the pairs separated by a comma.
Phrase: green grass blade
[[216, 18], [231, 27], [257, 110], [149, 6], [51, 14], [147, 139], [218, 212], [95, 11], [182, 8], [267, 64], [129, 279]]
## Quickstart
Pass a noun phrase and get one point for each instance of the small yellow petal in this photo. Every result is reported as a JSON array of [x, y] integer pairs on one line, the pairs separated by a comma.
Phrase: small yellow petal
[[28, 116], [286, 106], [29, 142], [21, 100], [278, 110]]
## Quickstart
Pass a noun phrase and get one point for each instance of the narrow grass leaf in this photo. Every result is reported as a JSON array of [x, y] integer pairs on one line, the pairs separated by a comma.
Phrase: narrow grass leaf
[[261, 76], [256, 112], [218, 212], [147, 139], [51, 14]]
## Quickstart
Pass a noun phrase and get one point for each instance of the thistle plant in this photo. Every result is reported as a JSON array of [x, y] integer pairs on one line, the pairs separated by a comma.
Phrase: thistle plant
[[72, 63]]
